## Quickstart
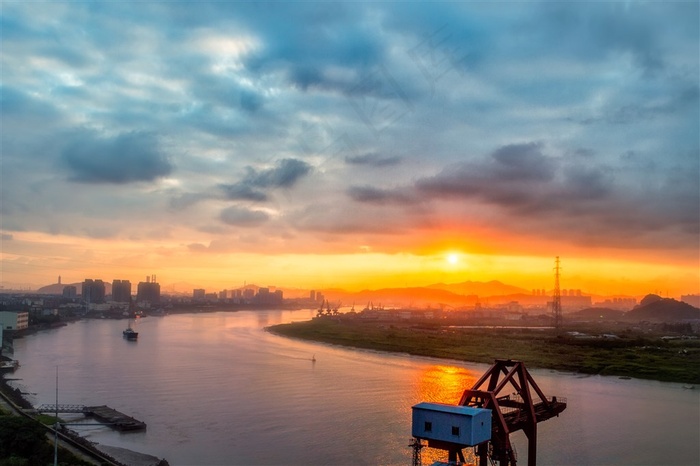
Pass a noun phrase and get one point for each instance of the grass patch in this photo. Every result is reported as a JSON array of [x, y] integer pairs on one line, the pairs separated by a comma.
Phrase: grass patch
[[640, 357], [47, 419]]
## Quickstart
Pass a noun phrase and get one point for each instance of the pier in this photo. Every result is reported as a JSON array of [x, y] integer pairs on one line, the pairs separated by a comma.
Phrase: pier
[[104, 414]]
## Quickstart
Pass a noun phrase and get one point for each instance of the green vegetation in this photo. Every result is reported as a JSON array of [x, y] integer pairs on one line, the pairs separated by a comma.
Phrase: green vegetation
[[23, 442], [631, 355], [47, 419]]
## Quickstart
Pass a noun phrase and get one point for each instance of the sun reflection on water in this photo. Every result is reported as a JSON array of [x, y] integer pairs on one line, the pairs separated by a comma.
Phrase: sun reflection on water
[[445, 384]]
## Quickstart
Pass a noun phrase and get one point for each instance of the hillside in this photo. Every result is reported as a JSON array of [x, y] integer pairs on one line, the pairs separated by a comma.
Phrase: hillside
[[400, 297], [655, 308], [492, 288], [57, 288]]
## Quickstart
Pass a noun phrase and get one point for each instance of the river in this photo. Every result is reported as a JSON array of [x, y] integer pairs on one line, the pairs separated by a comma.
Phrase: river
[[216, 389]]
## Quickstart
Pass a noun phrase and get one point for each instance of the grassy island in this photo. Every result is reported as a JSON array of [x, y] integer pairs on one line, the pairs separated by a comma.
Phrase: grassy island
[[625, 353]]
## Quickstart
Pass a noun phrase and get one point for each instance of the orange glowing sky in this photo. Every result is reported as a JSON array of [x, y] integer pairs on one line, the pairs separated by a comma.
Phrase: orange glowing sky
[[356, 146]]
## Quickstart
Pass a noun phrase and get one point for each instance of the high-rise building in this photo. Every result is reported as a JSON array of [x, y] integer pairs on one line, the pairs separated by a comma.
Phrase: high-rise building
[[199, 294], [264, 296], [148, 291], [93, 291], [69, 291], [121, 291]]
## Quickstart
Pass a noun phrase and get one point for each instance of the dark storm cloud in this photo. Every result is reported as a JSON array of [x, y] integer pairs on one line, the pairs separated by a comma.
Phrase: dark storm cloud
[[577, 195], [516, 162], [238, 216], [242, 191], [284, 175], [514, 174], [373, 160], [126, 158], [582, 182], [309, 43], [252, 187], [373, 195]]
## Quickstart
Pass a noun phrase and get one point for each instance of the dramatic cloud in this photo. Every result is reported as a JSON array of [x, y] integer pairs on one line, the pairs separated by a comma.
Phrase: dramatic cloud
[[358, 124], [284, 175], [374, 160], [241, 217], [522, 180], [514, 174], [373, 195], [124, 159]]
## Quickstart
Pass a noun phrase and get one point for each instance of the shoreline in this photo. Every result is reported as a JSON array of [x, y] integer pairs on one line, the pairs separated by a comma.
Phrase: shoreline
[[129, 457], [633, 356], [117, 455]]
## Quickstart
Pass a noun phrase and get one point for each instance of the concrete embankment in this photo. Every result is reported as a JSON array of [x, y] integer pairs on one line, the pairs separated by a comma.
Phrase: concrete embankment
[[12, 402]]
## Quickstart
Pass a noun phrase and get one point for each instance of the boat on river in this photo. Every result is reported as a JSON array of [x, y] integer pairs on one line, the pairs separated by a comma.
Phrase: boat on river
[[130, 333]]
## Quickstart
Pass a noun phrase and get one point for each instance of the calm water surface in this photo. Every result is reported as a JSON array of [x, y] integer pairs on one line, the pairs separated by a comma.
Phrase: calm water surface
[[216, 389]]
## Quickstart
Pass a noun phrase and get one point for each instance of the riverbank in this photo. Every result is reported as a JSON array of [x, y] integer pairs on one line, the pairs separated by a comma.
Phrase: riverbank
[[626, 355], [15, 402]]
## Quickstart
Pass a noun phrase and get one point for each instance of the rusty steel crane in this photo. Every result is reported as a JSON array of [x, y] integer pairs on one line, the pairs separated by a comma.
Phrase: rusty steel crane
[[506, 390]]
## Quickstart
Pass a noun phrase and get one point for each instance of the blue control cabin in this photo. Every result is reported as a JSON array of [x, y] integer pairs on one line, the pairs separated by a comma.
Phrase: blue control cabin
[[461, 426]]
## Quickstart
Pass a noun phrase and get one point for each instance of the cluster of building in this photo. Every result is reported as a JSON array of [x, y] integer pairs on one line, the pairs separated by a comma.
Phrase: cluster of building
[[91, 298], [93, 292], [240, 296], [248, 295]]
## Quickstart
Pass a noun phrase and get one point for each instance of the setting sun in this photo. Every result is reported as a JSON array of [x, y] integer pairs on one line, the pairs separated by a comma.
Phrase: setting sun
[[453, 258]]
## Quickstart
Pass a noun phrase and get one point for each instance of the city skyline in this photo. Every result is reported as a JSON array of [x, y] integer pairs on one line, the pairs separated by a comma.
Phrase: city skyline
[[466, 289], [354, 146]]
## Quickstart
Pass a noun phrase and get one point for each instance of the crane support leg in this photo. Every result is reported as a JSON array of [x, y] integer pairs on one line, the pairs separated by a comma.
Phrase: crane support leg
[[521, 411], [482, 450], [516, 403]]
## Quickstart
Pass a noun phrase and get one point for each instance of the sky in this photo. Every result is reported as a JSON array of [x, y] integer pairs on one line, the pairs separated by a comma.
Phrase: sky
[[351, 144]]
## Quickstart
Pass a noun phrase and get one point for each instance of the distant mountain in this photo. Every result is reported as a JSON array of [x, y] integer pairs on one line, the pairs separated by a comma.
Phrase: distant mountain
[[653, 307], [492, 288], [650, 299], [399, 297], [178, 288], [57, 288]]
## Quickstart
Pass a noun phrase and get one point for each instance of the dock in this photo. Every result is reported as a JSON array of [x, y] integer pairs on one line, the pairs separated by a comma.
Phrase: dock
[[9, 366], [114, 418], [104, 414]]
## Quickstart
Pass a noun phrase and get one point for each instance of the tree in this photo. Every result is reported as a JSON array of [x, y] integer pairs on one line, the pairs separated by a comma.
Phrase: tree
[[23, 438]]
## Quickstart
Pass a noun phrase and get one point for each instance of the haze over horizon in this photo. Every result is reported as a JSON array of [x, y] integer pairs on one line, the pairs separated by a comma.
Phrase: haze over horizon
[[352, 145]]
